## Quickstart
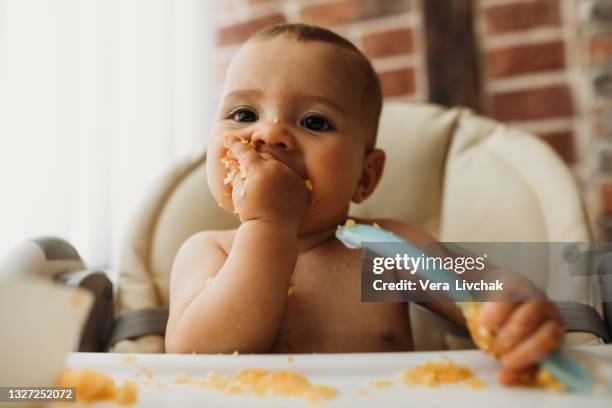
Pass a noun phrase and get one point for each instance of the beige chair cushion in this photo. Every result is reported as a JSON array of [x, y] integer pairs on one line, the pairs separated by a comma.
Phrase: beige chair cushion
[[460, 176]]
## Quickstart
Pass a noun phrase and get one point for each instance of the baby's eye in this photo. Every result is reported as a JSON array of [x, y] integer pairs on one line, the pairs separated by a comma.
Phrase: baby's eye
[[244, 115], [317, 123]]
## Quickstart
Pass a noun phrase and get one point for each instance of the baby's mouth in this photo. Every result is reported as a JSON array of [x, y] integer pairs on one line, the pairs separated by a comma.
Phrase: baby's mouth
[[292, 162]]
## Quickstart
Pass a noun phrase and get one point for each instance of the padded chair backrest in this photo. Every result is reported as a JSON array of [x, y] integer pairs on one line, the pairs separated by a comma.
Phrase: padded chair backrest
[[460, 176]]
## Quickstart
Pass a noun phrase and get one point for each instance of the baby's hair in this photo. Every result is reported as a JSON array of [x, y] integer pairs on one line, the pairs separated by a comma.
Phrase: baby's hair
[[304, 32]]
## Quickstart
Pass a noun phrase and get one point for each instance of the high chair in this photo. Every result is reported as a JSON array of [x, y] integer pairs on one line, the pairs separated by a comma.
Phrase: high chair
[[460, 176]]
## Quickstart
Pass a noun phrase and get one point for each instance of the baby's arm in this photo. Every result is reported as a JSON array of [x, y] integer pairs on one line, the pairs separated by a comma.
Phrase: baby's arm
[[242, 307]]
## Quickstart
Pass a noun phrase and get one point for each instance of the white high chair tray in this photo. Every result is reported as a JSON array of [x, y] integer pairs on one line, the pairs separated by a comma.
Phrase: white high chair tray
[[348, 373]]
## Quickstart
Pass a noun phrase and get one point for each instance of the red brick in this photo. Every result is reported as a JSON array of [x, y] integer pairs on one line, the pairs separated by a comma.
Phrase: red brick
[[606, 197], [600, 48], [552, 101], [398, 82], [388, 43], [525, 59], [332, 13], [520, 16], [562, 143], [240, 32]]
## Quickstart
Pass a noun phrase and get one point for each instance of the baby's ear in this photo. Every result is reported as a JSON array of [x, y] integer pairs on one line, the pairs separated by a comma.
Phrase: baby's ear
[[373, 166]]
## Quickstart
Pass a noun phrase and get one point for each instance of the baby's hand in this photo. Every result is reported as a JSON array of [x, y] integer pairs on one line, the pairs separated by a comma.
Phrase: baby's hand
[[523, 334], [271, 190]]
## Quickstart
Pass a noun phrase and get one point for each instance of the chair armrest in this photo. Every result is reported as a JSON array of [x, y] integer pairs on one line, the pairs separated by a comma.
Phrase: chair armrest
[[97, 328]]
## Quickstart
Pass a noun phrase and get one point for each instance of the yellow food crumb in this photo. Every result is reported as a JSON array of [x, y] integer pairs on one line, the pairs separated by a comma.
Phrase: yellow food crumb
[[544, 379], [375, 225], [289, 358], [434, 374], [262, 382], [144, 371], [475, 383], [291, 290], [308, 185], [362, 393], [483, 338], [159, 385], [181, 378], [350, 223], [77, 299], [128, 358], [381, 383], [92, 385]]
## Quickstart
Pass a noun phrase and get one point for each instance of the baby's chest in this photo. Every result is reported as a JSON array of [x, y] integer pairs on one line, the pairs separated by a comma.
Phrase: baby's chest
[[324, 312]]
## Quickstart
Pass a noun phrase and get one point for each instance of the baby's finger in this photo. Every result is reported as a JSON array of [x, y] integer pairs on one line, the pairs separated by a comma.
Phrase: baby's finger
[[494, 314], [526, 376], [535, 347], [245, 154], [524, 320]]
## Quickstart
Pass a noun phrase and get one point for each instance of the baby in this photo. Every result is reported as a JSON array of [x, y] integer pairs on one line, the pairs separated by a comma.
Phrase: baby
[[296, 130]]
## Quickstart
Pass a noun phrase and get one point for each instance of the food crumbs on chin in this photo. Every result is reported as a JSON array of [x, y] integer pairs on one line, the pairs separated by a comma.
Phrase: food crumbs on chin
[[289, 358], [435, 374], [262, 382], [129, 359], [92, 386], [308, 185], [381, 383], [349, 223]]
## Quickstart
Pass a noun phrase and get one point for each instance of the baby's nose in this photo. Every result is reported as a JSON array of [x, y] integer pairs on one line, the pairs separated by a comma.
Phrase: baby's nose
[[273, 136]]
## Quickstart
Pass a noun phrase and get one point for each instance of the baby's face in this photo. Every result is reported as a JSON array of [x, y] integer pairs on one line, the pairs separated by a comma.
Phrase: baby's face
[[301, 103]]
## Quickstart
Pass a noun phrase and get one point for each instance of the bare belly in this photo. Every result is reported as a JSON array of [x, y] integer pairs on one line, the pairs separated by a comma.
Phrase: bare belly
[[329, 317]]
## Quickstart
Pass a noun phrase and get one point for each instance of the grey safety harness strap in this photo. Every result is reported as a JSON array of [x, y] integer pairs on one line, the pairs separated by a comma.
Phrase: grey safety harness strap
[[138, 323], [576, 317]]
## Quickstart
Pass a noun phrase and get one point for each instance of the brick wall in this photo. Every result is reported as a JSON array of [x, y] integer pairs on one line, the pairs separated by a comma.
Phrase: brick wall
[[388, 32], [525, 47]]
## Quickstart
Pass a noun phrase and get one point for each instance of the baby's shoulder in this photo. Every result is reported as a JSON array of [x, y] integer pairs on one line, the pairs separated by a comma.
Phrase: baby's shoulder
[[408, 231]]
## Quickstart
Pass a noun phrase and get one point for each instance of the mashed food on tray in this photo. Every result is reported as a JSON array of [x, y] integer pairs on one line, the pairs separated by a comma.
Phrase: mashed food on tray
[[434, 374], [92, 385], [262, 382]]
